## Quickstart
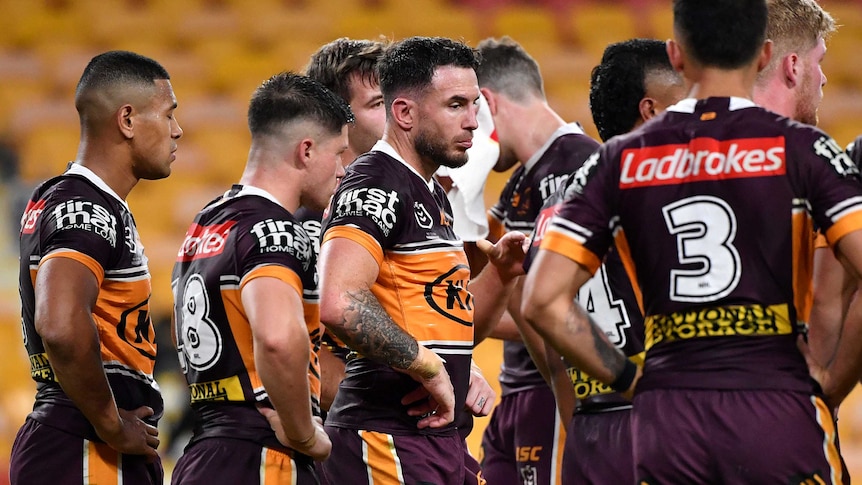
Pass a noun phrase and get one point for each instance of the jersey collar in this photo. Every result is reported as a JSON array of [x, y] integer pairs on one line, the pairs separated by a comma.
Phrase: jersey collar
[[78, 169], [244, 190], [688, 105], [384, 147], [567, 129]]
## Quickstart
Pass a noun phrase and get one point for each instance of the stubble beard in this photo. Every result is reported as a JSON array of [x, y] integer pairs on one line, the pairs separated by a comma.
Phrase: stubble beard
[[427, 147]]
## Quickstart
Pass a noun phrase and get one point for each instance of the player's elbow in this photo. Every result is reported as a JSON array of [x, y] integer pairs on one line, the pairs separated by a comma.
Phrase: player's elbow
[[533, 306], [293, 340], [332, 308]]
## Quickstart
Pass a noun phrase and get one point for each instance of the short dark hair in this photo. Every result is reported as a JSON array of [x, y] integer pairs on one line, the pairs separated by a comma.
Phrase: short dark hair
[[333, 64], [507, 68], [287, 97], [114, 68], [726, 34], [618, 83], [409, 65]]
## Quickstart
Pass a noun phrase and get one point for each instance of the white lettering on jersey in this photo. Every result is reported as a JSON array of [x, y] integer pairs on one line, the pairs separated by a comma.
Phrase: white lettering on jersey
[[85, 215], [372, 202], [283, 236]]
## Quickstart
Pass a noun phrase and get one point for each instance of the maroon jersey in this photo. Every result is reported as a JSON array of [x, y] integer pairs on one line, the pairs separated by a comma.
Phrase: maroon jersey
[[711, 207], [77, 216], [405, 222], [242, 235], [530, 185], [613, 304]]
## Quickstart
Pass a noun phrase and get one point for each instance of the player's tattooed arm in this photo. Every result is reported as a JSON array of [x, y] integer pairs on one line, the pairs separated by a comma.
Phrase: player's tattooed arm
[[368, 329]]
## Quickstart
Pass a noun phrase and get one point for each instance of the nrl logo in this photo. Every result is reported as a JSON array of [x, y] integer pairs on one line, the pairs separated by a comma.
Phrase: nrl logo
[[423, 218]]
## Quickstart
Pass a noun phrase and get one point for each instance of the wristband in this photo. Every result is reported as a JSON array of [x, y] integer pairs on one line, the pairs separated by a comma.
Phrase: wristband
[[625, 378]]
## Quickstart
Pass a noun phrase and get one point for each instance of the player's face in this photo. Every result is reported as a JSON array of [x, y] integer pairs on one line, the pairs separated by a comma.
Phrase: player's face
[[156, 132], [447, 116], [811, 84], [325, 168], [366, 101]]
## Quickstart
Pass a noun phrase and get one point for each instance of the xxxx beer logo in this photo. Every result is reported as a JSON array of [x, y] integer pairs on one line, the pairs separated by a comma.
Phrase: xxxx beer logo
[[448, 295]]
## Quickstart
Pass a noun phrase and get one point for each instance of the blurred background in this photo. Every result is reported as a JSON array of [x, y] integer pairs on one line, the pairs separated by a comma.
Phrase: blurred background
[[218, 51]]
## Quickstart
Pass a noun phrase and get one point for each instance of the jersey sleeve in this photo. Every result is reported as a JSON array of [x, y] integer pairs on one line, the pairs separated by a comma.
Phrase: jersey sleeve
[[79, 227], [365, 209], [272, 244], [582, 230]]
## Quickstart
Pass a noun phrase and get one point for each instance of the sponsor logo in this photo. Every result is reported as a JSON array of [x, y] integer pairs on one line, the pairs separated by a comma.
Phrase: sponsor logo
[[529, 475], [829, 149], [586, 386], [543, 222], [448, 295], [31, 216], [279, 236], [142, 334], [228, 389], [583, 175], [549, 185], [702, 159], [40, 368], [204, 241], [372, 202], [312, 227], [528, 453], [85, 215], [423, 218], [742, 321]]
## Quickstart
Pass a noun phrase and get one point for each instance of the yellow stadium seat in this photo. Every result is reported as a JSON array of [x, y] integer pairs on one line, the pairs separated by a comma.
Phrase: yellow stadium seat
[[596, 25], [534, 27], [46, 149], [659, 18]]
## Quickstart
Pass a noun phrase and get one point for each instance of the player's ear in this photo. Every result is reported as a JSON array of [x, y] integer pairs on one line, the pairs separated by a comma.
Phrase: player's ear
[[674, 53], [765, 55], [791, 69], [304, 152], [124, 120], [403, 112], [491, 98], [646, 107]]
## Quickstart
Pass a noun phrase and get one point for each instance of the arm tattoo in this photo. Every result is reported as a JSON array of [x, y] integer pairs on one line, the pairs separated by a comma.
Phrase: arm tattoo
[[367, 328], [612, 360]]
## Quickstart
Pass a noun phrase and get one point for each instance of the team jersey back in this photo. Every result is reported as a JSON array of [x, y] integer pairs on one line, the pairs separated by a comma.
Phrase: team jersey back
[[389, 209], [530, 185], [711, 207], [611, 301], [77, 216], [242, 235]]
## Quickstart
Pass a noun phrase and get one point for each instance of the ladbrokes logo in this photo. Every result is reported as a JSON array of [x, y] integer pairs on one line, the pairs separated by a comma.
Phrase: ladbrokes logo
[[83, 214], [283, 237], [372, 202], [702, 159], [31, 216], [204, 241]]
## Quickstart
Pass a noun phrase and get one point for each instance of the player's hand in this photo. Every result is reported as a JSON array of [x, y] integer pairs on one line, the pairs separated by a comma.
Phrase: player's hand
[[133, 436], [480, 395], [317, 446], [507, 254], [630, 392], [434, 400], [817, 371]]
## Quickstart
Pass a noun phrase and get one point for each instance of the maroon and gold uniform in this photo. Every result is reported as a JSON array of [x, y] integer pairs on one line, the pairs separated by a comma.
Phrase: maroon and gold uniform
[[526, 417], [242, 235], [77, 216], [711, 207], [405, 222]]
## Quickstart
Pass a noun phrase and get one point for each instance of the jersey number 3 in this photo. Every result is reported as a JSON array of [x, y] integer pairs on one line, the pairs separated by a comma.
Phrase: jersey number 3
[[705, 228]]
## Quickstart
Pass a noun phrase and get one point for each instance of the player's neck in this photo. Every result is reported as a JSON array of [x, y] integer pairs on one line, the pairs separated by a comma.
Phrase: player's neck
[[107, 165], [711, 82], [274, 176], [775, 97], [535, 125]]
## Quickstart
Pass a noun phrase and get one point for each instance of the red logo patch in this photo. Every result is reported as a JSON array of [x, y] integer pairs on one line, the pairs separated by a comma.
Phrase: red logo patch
[[31, 216], [204, 241]]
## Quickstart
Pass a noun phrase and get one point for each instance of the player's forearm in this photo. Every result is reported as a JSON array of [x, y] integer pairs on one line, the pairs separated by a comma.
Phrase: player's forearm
[[76, 360], [364, 326], [561, 384], [491, 295], [282, 364]]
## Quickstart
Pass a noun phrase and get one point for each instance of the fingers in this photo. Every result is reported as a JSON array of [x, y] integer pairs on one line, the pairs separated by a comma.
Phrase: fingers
[[143, 412], [485, 246]]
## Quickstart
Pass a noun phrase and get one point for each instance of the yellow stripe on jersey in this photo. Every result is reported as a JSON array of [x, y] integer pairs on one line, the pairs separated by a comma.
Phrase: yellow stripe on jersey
[[844, 226], [586, 386], [276, 271], [101, 464], [277, 468], [358, 236], [728, 321], [561, 244], [90, 263], [229, 389], [381, 458], [824, 418]]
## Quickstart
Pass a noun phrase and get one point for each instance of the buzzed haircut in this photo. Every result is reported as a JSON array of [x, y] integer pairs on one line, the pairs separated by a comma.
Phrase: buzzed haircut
[[288, 97], [409, 65], [796, 25], [725, 34], [508, 69], [333, 64], [618, 83], [117, 68]]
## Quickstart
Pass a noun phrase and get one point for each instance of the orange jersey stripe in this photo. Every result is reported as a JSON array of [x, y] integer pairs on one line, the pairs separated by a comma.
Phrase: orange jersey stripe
[[101, 464], [82, 258], [625, 253], [568, 247], [842, 227], [381, 458], [824, 417], [358, 236], [277, 468], [803, 244]]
